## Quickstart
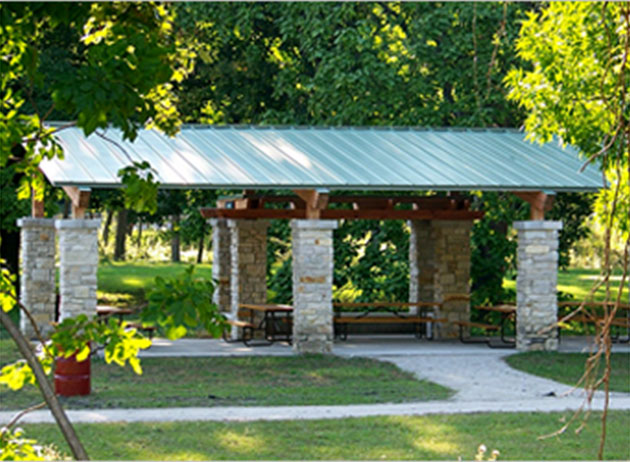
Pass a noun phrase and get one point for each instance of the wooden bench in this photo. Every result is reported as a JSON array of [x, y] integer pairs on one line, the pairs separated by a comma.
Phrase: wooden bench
[[248, 329], [341, 322], [621, 323]]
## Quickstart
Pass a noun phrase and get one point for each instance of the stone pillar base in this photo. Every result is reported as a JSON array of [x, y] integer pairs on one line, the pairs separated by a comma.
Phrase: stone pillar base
[[536, 284], [312, 285], [37, 284], [78, 258]]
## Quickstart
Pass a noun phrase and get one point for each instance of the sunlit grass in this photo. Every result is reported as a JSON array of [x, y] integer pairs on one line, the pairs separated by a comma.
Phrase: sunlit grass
[[126, 283], [569, 367], [436, 437], [579, 282], [244, 381]]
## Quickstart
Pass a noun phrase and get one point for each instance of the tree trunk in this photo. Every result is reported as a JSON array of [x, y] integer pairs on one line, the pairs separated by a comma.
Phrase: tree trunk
[[46, 389], [108, 223], [121, 235], [200, 250], [139, 242], [175, 257]]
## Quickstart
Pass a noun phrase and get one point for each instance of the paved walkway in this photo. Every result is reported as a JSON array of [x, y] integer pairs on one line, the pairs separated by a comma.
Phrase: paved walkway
[[482, 380]]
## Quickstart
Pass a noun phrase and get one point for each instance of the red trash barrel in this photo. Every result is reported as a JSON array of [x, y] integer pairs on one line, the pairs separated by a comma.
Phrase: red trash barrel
[[72, 378]]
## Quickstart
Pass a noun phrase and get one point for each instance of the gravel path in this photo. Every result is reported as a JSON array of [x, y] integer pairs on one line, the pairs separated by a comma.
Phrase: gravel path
[[481, 378]]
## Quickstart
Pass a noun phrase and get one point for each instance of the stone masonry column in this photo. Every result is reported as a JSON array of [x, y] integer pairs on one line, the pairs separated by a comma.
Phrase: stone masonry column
[[452, 254], [248, 280], [312, 243], [536, 298], [422, 264], [221, 263], [37, 286], [78, 257]]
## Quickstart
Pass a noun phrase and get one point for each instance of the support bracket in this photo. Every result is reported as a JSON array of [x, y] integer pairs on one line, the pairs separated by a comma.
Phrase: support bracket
[[316, 201], [80, 198], [539, 201]]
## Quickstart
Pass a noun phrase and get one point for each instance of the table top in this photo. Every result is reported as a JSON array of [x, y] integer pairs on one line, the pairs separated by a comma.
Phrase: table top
[[267, 307], [623, 306], [499, 308], [105, 310]]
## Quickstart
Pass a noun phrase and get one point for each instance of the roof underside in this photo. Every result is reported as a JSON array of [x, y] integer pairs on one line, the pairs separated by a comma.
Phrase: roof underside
[[327, 158]]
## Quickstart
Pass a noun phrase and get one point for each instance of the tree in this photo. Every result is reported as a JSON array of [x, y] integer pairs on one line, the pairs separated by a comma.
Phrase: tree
[[117, 71], [358, 64], [577, 91]]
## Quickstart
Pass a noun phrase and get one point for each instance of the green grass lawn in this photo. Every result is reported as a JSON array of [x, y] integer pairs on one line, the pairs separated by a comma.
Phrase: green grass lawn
[[125, 283], [569, 367], [579, 282], [435, 437], [246, 381]]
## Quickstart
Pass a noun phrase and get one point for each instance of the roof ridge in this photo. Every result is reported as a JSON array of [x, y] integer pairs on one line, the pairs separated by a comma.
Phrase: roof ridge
[[200, 126]]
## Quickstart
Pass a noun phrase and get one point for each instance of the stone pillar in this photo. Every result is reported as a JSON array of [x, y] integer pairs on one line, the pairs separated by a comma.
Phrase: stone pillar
[[221, 263], [312, 244], [248, 280], [536, 298], [37, 286], [439, 268], [452, 254], [422, 263], [78, 258]]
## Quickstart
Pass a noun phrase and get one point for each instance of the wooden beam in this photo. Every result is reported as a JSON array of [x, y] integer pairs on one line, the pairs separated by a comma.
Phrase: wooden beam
[[363, 201], [80, 198], [345, 214], [252, 213], [316, 201], [539, 202]]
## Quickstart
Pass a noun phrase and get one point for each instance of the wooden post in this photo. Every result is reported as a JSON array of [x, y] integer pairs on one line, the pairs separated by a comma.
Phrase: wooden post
[[80, 198], [37, 208], [316, 201], [539, 202]]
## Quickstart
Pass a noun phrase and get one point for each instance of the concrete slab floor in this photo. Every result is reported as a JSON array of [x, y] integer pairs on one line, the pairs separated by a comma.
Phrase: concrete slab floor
[[358, 345]]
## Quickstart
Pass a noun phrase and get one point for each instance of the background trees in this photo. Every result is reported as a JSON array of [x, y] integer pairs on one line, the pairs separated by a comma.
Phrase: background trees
[[427, 64]]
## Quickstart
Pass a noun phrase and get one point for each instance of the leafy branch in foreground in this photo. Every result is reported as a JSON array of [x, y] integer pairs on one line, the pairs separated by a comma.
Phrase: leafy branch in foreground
[[578, 90]]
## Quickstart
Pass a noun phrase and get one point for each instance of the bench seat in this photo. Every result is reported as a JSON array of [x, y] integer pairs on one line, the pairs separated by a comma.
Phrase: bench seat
[[384, 319], [476, 324]]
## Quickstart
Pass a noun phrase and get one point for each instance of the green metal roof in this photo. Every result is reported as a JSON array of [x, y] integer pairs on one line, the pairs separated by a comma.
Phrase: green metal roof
[[237, 157]]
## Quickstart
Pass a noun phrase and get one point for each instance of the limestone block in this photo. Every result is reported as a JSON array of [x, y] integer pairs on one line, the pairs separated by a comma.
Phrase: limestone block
[[37, 252], [312, 285], [537, 284]]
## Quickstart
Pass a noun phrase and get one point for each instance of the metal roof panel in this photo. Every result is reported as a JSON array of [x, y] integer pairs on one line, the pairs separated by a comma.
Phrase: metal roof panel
[[236, 157]]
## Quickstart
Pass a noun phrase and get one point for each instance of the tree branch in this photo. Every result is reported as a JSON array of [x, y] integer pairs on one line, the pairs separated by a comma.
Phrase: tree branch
[[44, 386]]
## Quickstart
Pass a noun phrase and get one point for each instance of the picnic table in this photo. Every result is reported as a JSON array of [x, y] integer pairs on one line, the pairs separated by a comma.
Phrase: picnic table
[[276, 324], [396, 315], [105, 311], [508, 314], [619, 323]]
